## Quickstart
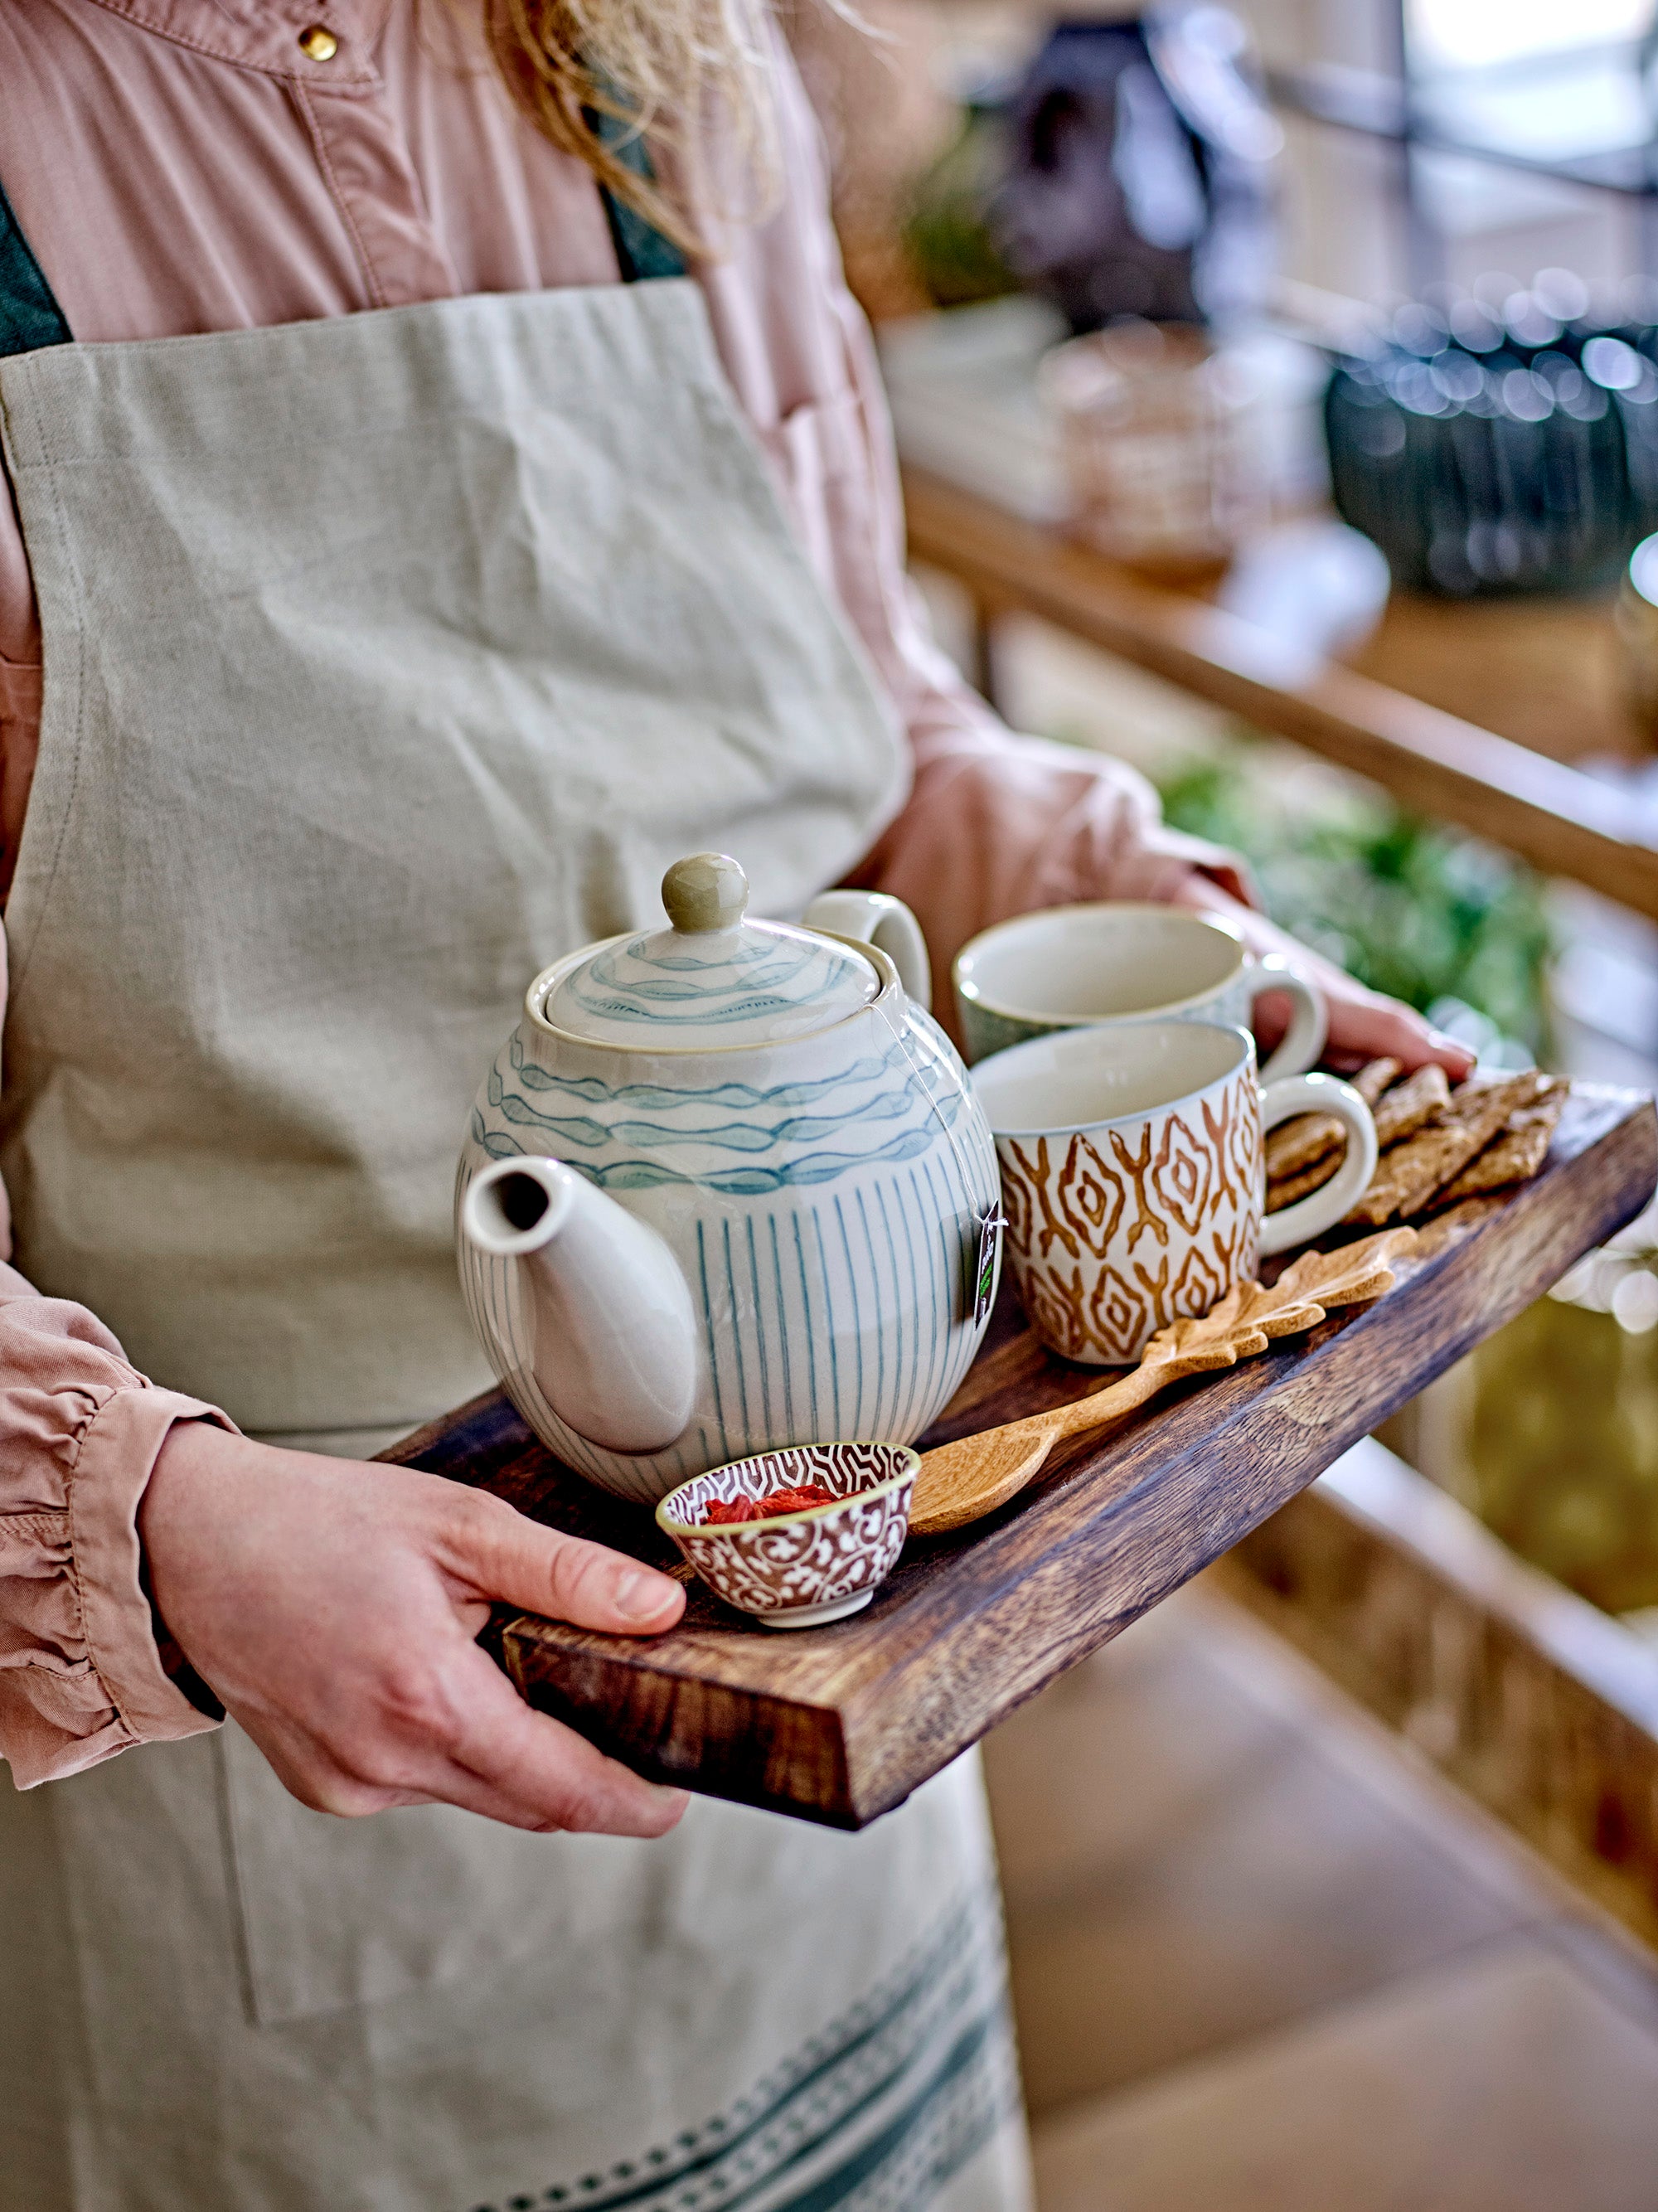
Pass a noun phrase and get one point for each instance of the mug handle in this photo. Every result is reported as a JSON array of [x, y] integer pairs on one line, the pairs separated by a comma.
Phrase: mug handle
[[1303, 1040], [1318, 1094], [875, 918]]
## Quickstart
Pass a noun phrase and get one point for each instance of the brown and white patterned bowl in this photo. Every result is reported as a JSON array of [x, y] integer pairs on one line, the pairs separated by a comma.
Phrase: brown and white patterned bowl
[[797, 1570]]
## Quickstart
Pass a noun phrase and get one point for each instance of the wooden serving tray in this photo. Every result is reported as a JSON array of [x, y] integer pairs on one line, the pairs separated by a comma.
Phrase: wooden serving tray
[[839, 1724]]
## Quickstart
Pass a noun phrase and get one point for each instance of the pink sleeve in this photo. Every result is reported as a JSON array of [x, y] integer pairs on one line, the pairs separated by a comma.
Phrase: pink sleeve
[[995, 823], [81, 1675]]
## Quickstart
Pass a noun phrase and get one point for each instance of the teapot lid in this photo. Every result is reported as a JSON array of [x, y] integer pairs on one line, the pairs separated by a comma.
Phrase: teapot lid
[[713, 978]]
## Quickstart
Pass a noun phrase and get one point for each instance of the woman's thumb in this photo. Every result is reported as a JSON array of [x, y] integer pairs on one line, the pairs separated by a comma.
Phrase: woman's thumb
[[514, 1560]]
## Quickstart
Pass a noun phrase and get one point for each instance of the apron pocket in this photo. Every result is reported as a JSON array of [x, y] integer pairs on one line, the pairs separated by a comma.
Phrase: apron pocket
[[336, 1913]]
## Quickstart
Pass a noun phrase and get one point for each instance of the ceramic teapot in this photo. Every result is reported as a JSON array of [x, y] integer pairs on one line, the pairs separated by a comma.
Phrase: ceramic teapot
[[727, 1188]]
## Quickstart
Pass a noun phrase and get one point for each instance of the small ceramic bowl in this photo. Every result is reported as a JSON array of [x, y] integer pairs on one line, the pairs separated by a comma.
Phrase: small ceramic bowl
[[797, 1570]]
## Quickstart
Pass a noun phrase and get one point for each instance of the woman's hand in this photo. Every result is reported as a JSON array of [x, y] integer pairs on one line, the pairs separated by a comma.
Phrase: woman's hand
[[1363, 1024], [331, 1604]]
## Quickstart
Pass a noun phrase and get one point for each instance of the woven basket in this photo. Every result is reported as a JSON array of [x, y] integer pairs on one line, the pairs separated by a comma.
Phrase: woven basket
[[1160, 436]]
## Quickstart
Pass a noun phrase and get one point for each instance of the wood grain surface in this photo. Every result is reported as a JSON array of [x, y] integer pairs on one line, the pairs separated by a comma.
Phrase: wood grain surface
[[1456, 770], [839, 1724]]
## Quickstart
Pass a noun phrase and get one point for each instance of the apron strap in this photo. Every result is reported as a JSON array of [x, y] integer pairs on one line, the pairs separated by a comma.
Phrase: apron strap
[[642, 251], [30, 317]]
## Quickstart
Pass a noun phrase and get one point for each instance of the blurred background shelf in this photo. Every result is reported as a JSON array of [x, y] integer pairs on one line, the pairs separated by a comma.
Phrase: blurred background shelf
[[1518, 789]]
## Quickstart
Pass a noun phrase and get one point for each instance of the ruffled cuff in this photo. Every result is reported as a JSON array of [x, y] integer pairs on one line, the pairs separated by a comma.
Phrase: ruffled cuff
[[82, 1675]]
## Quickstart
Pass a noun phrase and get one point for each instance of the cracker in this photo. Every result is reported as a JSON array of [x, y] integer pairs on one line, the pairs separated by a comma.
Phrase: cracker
[[1514, 1154], [1414, 1170], [1318, 1141], [1288, 1189], [1373, 1079], [1402, 1112], [1294, 1146]]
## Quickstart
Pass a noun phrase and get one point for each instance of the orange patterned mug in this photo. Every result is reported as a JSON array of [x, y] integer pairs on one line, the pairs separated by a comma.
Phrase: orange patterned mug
[[1134, 1175]]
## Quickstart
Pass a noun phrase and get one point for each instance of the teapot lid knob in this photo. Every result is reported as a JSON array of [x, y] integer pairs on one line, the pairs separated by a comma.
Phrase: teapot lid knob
[[706, 891]]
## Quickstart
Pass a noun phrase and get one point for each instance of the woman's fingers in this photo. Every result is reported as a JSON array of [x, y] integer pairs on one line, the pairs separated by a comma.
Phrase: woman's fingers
[[1371, 1028], [540, 1775], [504, 1555], [501, 1757], [1363, 1024], [439, 1723], [333, 1605], [518, 1766]]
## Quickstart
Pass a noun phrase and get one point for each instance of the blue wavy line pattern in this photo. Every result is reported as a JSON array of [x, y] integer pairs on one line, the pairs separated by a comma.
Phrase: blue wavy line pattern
[[876, 1090], [724, 1137], [656, 1096], [763, 975]]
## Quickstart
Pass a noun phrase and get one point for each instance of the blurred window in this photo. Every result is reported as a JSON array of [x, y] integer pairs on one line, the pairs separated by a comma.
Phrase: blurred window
[[1474, 34]]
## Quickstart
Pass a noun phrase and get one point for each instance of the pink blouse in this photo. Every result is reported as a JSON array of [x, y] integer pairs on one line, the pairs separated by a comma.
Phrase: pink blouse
[[186, 165]]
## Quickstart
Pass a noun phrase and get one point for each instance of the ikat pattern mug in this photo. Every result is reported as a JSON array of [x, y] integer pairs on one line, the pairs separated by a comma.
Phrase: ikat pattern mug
[[1133, 1175], [1078, 967]]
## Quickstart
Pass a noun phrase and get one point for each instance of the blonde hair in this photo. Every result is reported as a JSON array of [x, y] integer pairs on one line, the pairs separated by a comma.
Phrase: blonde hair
[[599, 77]]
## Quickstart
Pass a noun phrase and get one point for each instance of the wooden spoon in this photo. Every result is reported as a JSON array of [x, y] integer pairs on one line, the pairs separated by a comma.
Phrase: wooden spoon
[[960, 1482]]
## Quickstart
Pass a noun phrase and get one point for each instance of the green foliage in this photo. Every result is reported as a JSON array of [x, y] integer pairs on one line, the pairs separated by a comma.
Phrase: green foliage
[[1419, 912], [947, 233]]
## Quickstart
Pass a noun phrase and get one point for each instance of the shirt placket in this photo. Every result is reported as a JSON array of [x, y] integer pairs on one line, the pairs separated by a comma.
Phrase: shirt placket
[[364, 159], [324, 52]]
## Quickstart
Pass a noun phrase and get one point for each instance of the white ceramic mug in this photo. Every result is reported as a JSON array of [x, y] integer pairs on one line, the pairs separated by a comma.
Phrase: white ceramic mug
[[1134, 1179], [1073, 967]]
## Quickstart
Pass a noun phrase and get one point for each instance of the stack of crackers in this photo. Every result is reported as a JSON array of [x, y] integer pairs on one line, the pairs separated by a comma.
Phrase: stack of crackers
[[1437, 1145]]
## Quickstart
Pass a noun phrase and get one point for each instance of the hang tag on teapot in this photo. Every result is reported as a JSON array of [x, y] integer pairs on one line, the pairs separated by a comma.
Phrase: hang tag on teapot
[[991, 1225]]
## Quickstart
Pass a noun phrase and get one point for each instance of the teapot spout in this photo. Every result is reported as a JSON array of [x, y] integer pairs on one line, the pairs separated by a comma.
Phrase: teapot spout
[[615, 1344]]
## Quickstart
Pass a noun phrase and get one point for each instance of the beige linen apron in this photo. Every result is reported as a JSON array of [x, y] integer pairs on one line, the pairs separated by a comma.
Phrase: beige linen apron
[[386, 659]]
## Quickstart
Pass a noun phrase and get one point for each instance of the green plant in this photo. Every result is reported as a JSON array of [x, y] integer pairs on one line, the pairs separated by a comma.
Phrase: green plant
[[1420, 912], [947, 234]]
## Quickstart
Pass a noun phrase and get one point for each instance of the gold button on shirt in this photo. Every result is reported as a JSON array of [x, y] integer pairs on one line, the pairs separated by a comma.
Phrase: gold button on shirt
[[317, 40]]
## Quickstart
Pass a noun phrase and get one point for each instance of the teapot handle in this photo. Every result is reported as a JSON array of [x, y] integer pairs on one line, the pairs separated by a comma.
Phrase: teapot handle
[[874, 918]]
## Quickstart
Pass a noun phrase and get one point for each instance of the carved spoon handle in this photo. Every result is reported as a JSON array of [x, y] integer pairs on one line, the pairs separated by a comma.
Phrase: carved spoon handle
[[960, 1481], [1117, 1399], [1239, 1328]]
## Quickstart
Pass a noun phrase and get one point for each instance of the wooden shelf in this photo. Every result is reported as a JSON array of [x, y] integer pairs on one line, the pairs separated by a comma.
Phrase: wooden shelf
[[839, 1725], [1541, 1708], [1525, 796]]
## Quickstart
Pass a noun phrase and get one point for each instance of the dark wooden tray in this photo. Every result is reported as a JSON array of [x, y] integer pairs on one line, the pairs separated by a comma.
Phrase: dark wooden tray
[[839, 1724]]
